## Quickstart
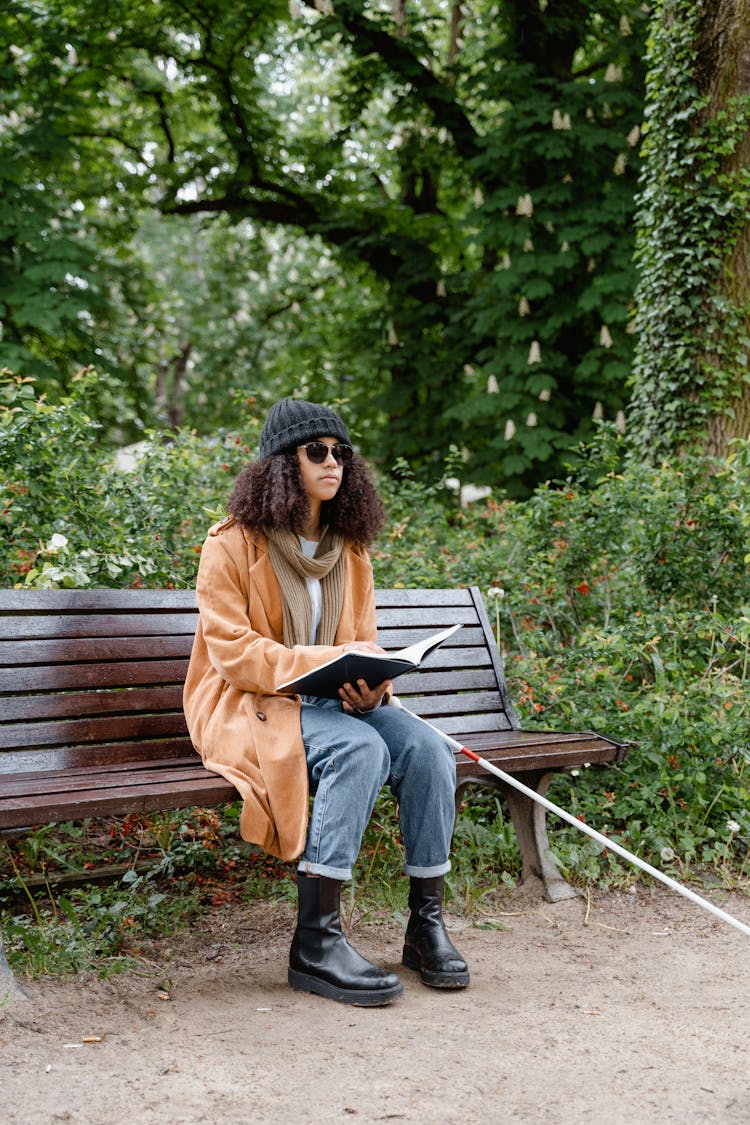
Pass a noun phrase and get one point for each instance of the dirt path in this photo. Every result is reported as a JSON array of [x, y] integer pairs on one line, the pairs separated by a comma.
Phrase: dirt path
[[627, 1009]]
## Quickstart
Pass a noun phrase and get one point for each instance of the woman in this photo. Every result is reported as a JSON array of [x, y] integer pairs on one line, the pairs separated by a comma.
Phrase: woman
[[284, 585]]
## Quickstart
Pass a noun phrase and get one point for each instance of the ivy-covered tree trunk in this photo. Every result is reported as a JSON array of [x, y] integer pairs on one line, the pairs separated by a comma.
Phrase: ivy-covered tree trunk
[[723, 74], [692, 383]]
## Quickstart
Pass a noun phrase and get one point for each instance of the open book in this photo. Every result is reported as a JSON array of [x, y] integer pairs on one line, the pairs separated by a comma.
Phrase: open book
[[374, 667]]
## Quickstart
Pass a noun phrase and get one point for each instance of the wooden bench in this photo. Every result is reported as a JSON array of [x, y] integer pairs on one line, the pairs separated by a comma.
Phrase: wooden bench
[[91, 720]]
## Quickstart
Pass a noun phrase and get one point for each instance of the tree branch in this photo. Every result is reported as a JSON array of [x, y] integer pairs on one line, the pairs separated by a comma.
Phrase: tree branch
[[360, 233], [165, 126], [365, 37], [104, 134]]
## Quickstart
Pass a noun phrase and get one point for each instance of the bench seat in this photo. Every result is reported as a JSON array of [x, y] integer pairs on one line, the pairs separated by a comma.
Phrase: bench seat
[[91, 720]]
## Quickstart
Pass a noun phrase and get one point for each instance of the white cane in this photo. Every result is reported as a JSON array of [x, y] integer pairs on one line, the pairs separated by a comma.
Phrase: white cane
[[604, 840]]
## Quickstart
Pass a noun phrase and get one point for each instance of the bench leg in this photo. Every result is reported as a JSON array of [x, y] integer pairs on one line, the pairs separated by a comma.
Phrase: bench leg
[[8, 982], [530, 824]]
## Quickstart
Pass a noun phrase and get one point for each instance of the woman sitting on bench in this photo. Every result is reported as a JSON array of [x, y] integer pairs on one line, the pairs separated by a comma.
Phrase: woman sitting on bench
[[285, 584]]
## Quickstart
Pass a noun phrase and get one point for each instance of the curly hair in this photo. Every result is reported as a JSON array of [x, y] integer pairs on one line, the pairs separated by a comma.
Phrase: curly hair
[[269, 495]]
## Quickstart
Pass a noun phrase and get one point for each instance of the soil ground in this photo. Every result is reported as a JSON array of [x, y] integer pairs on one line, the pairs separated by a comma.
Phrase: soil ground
[[619, 1008]]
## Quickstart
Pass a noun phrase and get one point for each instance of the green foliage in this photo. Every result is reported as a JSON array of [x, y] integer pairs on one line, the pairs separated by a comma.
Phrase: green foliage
[[71, 518], [691, 357], [620, 599], [165, 870], [333, 198], [549, 320]]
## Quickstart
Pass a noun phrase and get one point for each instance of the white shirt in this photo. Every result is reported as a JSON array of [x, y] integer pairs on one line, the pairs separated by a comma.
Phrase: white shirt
[[309, 547]]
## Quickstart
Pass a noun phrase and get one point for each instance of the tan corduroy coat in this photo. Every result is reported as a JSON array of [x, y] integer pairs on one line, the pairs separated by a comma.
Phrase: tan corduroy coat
[[243, 729]]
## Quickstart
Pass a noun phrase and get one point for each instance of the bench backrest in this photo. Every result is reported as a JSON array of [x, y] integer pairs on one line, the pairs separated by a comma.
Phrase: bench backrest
[[90, 677]]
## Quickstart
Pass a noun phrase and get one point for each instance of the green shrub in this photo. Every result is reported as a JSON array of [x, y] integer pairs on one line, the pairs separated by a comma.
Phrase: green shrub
[[71, 518], [620, 599]]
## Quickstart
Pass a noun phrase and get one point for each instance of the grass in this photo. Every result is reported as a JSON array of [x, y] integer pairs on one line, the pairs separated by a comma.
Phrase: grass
[[158, 873]]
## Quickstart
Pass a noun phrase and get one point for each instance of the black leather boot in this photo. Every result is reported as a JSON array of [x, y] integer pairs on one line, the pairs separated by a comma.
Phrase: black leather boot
[[321, 959], [427, 947]]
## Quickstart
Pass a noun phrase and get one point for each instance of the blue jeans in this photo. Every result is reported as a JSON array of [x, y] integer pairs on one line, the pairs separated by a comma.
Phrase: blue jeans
[[349, 760]]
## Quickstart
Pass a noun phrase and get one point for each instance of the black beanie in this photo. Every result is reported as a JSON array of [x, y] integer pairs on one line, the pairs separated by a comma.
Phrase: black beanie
[[293, 422]]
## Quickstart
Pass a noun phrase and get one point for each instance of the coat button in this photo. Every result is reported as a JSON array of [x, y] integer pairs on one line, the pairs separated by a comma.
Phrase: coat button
[[260, 715]]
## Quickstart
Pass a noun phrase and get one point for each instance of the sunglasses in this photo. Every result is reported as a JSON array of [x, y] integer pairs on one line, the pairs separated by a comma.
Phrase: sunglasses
[[317, 452]]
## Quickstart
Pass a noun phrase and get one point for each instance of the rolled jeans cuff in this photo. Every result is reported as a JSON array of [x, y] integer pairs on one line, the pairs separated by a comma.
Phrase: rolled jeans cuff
[[342, 874], [427, 872]]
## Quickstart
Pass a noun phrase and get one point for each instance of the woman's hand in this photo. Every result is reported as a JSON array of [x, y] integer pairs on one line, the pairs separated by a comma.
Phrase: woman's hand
[[356, 698], [359, 697]]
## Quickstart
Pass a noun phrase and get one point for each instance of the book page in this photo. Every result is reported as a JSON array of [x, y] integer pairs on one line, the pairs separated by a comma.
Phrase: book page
[[417, 652]]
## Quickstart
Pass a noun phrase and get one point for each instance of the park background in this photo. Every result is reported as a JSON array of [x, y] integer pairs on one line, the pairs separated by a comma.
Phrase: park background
[[510, 242]]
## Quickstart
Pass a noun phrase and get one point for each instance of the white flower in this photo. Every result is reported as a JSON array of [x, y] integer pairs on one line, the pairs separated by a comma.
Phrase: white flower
[[523, 307], [605, 337], [510, 429], [535, 352], [57, 542], [496, 592], [732, 826], [667, 854], [525, 205]]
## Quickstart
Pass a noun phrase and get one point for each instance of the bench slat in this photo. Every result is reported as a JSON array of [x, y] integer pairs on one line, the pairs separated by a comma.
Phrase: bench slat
[[68, 651], [159, 794], [68, 782], [426, 617], [521, 747], [92, 755], [7, 784], [455, 706], [62, 677], [62, 731], [452, 680], [84, 704], [99, 625], [459, 596], [94, 601], [469, 636]]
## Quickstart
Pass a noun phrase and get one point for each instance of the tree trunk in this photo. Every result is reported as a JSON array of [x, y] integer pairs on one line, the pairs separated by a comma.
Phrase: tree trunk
[[723, 75], [171, 384]]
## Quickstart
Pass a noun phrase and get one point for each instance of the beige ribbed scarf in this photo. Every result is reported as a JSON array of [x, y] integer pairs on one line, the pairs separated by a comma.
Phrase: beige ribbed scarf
[[291, 567]]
